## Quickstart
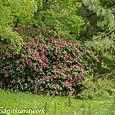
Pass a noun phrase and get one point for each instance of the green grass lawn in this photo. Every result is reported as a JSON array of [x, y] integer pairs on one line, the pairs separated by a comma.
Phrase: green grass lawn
[[56, 105]]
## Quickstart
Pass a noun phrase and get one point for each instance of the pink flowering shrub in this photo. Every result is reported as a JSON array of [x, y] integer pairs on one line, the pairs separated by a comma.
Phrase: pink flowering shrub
[[46, 64]]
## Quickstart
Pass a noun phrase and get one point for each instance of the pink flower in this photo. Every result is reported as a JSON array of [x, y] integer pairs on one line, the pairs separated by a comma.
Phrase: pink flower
[[58, 45], [58, 50], [39, 57], [27, 60], [70, 75], [30, 43], [11, 47], [42, 81], [46, 90], [71, 57], [75, 48], [34, 85], [65, 82], [71, 82], [8, 54], [73, 67], [85, 50], [4, 45], [44, 64], [36, 69], [90, 51], [38, 90], [23, 79], [28, 47], [36, 78], [59, 55], [83, 66], [56, 69], [18, 67], [32, 40], [46, 78], [54, 74], [30, 62]]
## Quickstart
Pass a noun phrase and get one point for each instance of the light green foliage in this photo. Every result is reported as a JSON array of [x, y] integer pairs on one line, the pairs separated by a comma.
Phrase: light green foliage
[[39, 4], [61, 15], [104, 86], [6, 32], [13, 12]]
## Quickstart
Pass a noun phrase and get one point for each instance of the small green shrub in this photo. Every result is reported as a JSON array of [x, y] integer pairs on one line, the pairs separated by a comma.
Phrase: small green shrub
[[46, 64]]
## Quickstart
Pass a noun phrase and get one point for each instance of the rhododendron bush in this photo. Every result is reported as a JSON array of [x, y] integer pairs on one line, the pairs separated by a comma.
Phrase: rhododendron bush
[[46, 64]]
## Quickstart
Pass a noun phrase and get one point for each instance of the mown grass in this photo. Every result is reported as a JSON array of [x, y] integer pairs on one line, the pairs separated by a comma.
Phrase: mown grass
[[56, 105]]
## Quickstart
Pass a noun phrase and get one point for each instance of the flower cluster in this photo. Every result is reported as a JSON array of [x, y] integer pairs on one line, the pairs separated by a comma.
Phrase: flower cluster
[[46, 64]]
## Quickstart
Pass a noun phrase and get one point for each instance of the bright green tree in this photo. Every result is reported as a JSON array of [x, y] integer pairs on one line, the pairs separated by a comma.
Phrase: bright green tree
[[13, 12]]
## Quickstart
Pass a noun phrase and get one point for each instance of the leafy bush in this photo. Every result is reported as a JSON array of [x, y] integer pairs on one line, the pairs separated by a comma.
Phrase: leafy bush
[[13, 12], [46, 64]]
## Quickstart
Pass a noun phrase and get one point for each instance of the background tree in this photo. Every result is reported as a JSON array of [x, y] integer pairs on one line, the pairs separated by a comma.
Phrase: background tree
[[61, 16], [101, 29]]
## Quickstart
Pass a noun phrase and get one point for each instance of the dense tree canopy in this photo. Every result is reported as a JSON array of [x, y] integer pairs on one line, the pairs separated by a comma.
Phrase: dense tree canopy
[[13, 12]]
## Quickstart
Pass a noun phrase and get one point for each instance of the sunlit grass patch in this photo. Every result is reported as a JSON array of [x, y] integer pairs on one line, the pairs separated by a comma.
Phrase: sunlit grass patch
[[56, 105]]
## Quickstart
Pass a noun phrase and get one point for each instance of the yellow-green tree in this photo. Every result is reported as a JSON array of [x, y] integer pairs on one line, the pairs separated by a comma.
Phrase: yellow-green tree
[[11, 13]]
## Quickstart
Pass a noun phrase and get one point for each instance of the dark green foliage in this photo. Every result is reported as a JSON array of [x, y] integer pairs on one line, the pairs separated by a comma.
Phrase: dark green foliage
[[100, 32]]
